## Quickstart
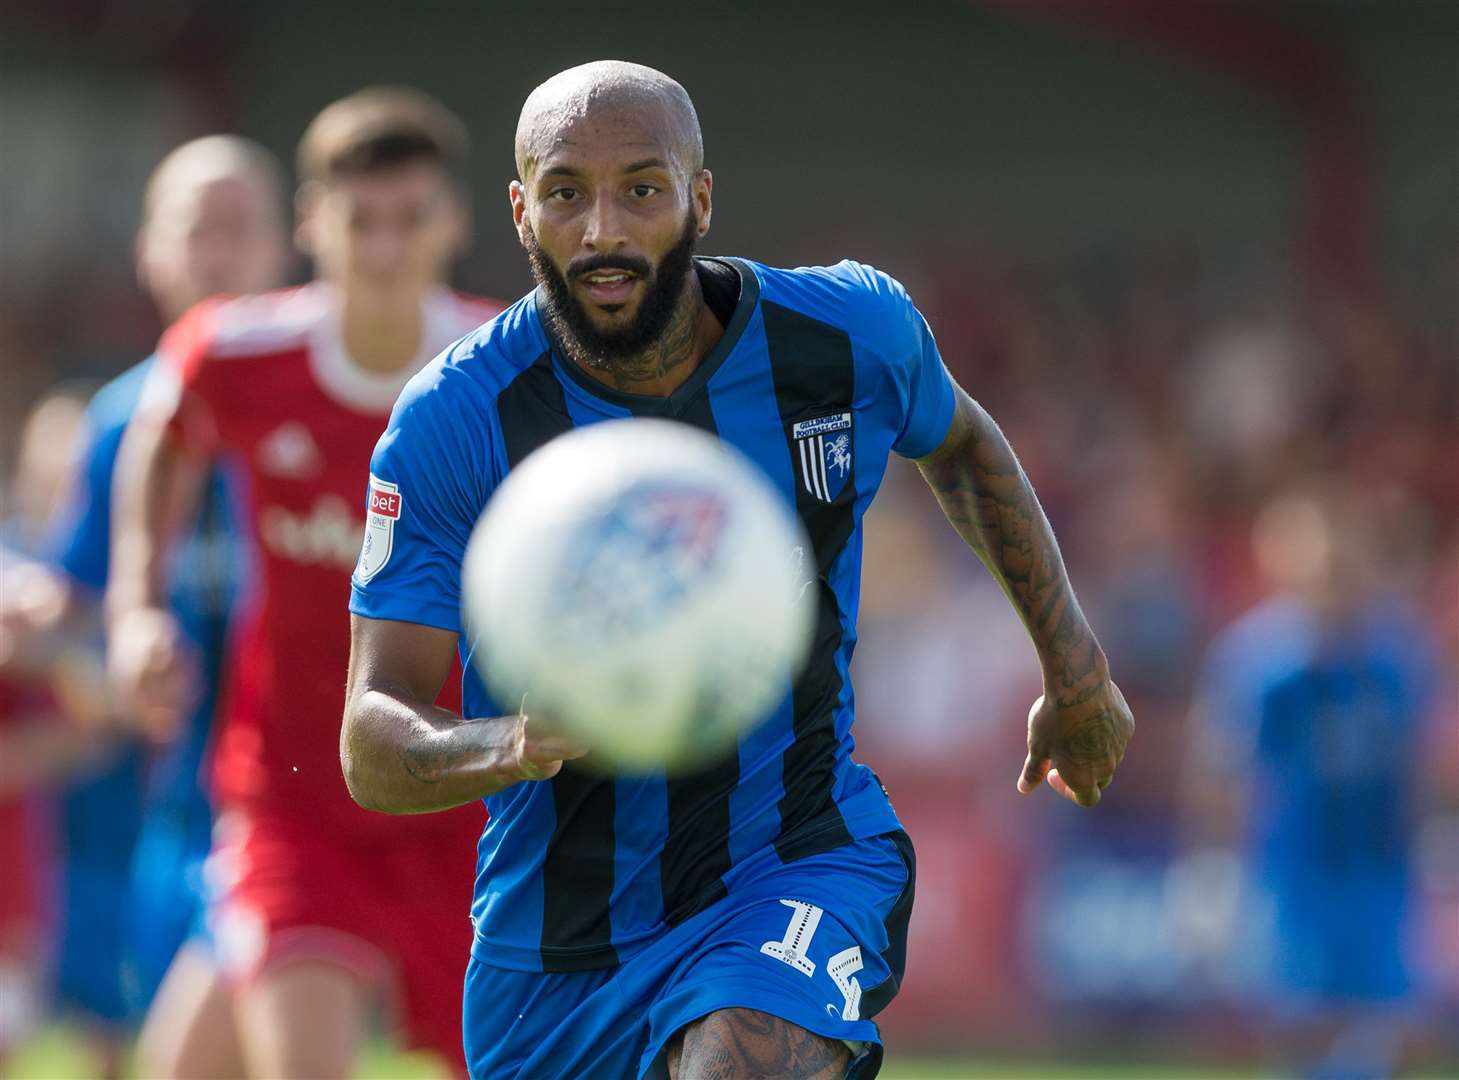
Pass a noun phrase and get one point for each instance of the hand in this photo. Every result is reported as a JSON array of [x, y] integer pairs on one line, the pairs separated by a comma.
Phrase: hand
[[541, 748], [79, 685], [33, 605], [152, 671], [1077, 740]]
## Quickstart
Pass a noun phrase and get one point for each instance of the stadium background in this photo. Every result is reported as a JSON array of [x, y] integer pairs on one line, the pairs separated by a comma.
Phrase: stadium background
[[1185, 253]]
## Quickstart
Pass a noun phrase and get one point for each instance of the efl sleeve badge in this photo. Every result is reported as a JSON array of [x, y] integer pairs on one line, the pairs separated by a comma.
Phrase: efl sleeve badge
[[382, 514]]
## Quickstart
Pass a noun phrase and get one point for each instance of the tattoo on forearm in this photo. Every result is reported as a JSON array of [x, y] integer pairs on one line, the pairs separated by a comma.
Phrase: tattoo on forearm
[[428, 765], [744, 1044], [989, 500]]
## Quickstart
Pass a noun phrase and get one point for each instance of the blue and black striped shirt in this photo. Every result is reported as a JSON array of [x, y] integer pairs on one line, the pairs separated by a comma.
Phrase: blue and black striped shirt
[[820, 374]]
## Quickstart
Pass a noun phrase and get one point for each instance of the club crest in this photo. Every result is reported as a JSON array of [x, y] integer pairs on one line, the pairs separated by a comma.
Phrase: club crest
[[823, 454]]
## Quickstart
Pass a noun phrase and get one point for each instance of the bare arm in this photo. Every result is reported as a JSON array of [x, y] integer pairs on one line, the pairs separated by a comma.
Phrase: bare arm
[[43, 748], [1079, 728], [155, 491], [401, 753]]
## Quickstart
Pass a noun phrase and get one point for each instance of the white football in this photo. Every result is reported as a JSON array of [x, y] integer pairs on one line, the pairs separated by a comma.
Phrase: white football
[[642, 584]]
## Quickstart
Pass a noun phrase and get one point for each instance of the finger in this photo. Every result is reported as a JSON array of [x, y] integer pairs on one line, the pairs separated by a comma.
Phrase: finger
[[1034, 771], [553, 748], [1085, 796], [545, 740], [1036, 764], [544, 770], [541, 724]]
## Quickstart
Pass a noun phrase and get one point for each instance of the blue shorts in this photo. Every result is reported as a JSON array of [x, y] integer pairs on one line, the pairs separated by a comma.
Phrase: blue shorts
[[820, 942], [1323, 953], [89, 965], [165, 905]]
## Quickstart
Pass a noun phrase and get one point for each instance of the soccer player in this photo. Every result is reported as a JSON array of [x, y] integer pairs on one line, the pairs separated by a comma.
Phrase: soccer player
[[320, 906], [750, 919], [134, 832], [213, 222], [1306, 718]]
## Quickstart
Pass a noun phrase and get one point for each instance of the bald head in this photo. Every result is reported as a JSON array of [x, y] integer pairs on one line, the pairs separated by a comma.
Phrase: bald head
[[207, 160], [611, 198], [614, 92], [213, 221]]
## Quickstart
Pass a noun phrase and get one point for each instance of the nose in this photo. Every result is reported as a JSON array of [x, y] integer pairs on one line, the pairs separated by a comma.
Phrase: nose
[[384, 249], [604, 230], [220, 262]]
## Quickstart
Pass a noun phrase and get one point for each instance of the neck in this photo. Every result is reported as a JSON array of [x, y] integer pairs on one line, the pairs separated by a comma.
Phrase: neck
[[662, 367], [383, 336]]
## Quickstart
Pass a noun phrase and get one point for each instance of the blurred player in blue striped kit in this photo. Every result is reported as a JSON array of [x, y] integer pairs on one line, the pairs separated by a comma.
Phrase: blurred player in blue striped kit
[[749, 919], [136, 835]]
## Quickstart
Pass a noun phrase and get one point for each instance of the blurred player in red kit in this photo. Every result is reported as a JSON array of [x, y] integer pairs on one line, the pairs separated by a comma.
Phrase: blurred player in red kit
[[318, 906]]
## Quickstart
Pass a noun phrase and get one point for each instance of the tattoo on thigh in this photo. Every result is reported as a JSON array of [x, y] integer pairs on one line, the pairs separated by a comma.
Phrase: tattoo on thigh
[[744, 1044]]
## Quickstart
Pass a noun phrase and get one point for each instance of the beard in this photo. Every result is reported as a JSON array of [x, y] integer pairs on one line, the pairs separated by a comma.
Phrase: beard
[[568, 319]]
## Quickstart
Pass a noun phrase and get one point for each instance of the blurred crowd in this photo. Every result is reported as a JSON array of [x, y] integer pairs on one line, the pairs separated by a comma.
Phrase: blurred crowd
[[1210, 446]]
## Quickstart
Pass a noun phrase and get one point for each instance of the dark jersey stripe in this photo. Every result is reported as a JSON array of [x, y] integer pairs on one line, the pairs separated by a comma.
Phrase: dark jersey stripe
[[814, 376], [875, 999], [696, 853], [577, 874]]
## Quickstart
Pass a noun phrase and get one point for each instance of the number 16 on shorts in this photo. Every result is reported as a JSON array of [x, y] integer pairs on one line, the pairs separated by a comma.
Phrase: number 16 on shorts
[[794, 947]]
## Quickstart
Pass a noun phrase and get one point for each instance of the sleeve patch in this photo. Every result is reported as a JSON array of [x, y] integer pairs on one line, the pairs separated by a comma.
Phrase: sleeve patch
[[384, 511]]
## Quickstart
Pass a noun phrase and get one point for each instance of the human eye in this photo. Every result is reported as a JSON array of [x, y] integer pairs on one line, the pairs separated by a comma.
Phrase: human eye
[[564, 194], [643, 190]]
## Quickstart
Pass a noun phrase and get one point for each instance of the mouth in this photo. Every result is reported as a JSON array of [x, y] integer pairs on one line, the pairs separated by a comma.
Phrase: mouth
[[609, 287]]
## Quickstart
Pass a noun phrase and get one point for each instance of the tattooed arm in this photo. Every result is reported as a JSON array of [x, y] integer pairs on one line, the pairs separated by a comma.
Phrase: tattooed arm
[[1079, 727], [404, 755]]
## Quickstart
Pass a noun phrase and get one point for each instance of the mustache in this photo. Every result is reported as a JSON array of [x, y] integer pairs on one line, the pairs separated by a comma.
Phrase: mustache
[[587, 264]]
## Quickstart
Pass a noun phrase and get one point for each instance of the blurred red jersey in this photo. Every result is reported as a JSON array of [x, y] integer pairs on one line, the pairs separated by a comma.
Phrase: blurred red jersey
[[22, 855], [266, 381]]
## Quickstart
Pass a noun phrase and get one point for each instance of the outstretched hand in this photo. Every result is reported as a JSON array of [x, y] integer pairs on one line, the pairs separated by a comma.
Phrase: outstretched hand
[[1076, 741]]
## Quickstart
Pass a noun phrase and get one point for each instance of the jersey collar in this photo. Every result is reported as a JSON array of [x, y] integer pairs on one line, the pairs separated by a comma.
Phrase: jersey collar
[[351, 385]]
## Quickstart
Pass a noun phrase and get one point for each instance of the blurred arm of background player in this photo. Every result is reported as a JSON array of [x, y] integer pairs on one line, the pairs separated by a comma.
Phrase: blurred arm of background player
[[1079, 727], [59, 718], [41, 746], [42, 615], [404, 755], [157, 491], [60, 722]]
